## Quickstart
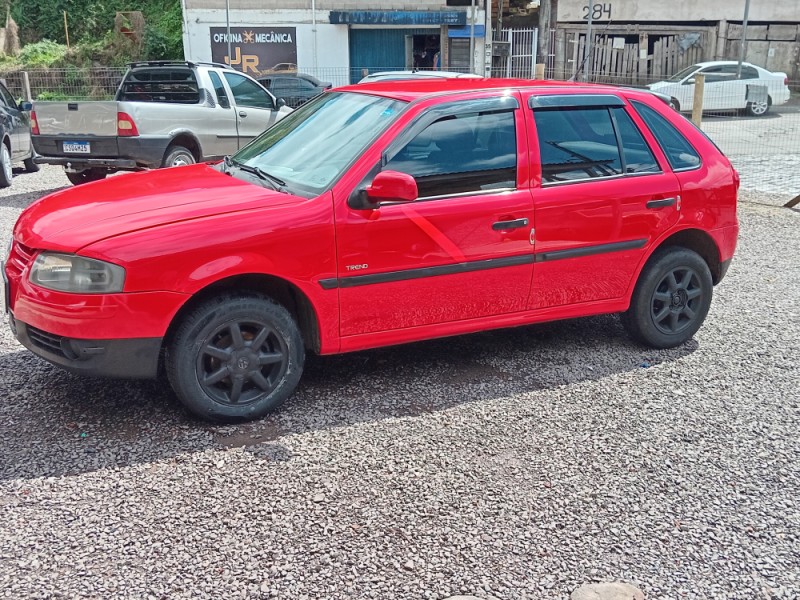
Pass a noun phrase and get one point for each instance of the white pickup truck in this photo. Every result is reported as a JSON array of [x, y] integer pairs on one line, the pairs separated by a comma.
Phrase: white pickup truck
[[164, 114]]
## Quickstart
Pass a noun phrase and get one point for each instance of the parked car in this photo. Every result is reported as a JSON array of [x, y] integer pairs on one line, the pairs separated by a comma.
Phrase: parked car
[[379, 214], [294, 88], [164, 114], [15, 135], [401, 75], [723, 89]]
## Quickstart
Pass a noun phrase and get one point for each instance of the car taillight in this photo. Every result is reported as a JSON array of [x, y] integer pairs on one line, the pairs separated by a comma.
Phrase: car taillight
[[125, 125], [34, 123], [786, 81]]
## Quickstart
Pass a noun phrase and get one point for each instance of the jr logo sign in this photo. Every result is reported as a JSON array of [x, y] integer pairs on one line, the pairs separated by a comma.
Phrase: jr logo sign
[[255, 49]]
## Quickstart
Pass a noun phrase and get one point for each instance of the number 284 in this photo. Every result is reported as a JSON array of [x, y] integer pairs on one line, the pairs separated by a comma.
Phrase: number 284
[[597, 10]]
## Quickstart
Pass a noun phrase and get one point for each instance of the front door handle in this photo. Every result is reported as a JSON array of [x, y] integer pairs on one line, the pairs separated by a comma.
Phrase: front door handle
[[242, 113], [506, 225], [661, 203]]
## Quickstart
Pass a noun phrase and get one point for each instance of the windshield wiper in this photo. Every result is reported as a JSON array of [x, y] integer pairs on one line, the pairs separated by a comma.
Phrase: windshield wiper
[[276, 183]]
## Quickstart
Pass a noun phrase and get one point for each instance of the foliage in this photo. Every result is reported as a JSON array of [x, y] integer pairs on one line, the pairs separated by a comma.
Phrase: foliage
[[52, 96], [42, 54]]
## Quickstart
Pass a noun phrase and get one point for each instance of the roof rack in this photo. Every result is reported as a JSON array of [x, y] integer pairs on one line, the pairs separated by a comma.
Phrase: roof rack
[[185, 63]]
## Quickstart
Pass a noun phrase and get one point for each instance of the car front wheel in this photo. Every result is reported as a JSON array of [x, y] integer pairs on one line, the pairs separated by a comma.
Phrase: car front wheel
[[671, 298], [235, 357], [6, 172]]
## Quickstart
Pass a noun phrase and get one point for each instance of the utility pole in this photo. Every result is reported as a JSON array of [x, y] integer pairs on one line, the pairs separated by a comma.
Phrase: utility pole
[[743, 44], [544, 31], [228, 29], [587, 61], [472, 38]]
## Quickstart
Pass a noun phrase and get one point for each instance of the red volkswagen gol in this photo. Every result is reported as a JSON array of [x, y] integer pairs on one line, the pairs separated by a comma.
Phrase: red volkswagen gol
[[379, 214]]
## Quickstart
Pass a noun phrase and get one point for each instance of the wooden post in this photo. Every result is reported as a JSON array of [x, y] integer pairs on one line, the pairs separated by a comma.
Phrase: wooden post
[[26, 87], [66, 29], [539, 73], [697, 106]]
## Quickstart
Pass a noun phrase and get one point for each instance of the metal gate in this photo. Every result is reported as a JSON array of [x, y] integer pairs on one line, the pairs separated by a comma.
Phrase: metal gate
[[521, 59]]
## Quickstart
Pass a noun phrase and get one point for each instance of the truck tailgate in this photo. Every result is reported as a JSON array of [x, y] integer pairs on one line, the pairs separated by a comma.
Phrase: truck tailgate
[[89, 118]]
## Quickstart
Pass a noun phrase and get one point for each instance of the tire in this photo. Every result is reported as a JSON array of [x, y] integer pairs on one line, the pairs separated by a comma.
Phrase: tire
[[178, 156], [758, 109], [86, 176], [214, 368], [671, 298], [30, 166], [6, 173]]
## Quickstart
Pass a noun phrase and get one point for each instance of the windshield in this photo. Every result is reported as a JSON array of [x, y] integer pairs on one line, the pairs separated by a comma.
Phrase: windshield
[[310, 148], [684, 73]]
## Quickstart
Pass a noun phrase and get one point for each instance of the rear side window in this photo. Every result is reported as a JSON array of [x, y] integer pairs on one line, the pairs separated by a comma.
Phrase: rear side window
[[680, 154], [637, 154], [172, 85], [749, 73], [576, 144], [219, 90]]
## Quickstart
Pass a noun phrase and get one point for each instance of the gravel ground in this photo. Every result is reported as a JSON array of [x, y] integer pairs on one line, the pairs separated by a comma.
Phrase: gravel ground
[[515, 464]]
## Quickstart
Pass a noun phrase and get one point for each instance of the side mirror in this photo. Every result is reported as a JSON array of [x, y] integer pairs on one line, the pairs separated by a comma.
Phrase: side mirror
[[281, 103], [26, 106], [387, 186], [689, 81]]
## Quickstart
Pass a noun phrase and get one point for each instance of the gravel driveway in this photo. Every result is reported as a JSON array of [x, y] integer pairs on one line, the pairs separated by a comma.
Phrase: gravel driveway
[[515, 464]]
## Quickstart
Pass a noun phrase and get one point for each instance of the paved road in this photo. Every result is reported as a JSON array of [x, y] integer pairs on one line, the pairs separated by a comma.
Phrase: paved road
[[765, 150]]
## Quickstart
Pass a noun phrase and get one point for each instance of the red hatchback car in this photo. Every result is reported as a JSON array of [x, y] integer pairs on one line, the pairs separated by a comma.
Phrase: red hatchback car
[[374, 215]]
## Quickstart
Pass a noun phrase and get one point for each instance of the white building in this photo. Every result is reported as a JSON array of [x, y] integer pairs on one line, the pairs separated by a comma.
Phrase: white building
[[334, 40]]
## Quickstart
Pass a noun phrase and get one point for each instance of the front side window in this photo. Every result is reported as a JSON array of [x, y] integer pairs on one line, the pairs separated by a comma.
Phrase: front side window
[[680, 154], [576, 144], [461, 153], [311, 147], [248, 93]]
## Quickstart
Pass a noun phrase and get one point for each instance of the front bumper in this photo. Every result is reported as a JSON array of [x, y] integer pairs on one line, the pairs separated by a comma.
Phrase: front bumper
[[135, 358]]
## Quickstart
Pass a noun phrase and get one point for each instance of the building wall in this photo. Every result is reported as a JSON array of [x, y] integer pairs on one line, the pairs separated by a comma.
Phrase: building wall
[[641, 11]]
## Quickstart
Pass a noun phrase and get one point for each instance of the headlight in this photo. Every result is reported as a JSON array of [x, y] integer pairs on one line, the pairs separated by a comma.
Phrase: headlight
[[76, 274]]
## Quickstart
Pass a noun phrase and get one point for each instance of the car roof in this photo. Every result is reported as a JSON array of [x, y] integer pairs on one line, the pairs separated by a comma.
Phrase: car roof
[[716, 63], [409, 90]]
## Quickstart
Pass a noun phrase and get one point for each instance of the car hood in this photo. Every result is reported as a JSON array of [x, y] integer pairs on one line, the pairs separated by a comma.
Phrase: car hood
[[68, 220], [660, 85]]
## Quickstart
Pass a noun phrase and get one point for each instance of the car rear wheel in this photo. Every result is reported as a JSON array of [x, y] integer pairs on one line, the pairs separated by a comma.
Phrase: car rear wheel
[[86, 176], [671, 298], [6, 172], [758, 109], [235, 357], [178, 156]]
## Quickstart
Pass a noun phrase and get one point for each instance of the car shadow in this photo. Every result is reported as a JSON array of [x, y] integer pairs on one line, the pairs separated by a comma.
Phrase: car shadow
[[23, 199], [53, 423]]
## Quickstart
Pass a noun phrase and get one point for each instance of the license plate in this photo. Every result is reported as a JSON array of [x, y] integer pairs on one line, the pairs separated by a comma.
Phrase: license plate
[[77, 147]]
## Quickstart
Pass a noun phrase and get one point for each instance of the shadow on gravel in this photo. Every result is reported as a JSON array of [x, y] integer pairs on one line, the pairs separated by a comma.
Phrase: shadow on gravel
[[23, 199], [54, 423]]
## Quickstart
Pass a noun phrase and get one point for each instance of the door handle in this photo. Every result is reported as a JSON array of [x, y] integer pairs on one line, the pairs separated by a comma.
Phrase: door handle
[[660, 203], [506, 225], [242, 113]]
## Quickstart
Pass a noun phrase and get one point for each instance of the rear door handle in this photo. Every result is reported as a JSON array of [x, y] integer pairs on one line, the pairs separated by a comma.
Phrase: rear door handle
[[661, 203], [506, 225]]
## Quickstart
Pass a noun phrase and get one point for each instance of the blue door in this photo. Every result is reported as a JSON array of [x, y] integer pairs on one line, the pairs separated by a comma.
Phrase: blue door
[[380, 49]]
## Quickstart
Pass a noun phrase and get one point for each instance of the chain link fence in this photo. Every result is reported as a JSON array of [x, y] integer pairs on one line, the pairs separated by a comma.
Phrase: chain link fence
[[756, 124]]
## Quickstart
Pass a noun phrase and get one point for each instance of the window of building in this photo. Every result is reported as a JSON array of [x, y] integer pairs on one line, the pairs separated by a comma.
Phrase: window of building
[[462, 153], [680, 154]]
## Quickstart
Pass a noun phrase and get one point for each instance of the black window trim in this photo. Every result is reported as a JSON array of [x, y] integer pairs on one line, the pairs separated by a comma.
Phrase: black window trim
[[699, 155], [617, 135]]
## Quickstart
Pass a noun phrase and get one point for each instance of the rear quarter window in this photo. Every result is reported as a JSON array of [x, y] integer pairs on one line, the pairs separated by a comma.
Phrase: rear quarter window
[[171, 85], [680, 153]]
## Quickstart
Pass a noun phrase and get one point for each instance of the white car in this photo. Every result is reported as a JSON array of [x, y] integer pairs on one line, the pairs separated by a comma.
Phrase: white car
[[723, 90], [396, 75]]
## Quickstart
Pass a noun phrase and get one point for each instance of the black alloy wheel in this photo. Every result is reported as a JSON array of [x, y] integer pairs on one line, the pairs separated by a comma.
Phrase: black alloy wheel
[[235, 357], [671, 298]]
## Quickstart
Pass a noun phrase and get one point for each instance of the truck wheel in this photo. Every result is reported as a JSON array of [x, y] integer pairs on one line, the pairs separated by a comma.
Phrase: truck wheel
[[235, 357], [671, 298], [86, 176], [30, 166], [178, 156], [6, 172]]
